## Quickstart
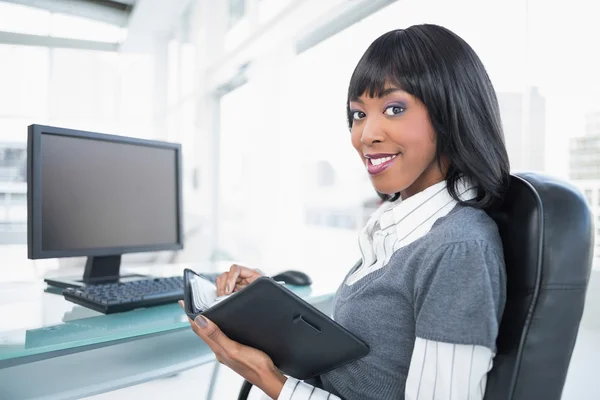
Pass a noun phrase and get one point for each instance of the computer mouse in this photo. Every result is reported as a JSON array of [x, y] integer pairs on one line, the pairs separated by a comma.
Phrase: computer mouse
[[295, 278]]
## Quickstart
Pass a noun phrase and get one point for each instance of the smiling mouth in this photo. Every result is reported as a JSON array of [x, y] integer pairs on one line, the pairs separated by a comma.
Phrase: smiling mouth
[[379, 164], [379, 161]]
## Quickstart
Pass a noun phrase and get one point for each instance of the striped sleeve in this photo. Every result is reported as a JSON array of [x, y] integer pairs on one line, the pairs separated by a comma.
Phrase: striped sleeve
[[447, 371], [294, 389]]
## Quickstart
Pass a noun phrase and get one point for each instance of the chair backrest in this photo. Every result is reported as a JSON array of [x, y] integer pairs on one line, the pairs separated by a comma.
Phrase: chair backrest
[[547, 232]]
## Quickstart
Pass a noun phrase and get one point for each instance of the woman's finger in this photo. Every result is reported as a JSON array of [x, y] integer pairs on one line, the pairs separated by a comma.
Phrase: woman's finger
[[240, 286], [234, 273], [217, 283], [223, 347], [251, 274], [221, 283]]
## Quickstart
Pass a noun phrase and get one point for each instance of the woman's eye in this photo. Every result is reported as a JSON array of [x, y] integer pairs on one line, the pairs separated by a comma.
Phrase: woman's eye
[[394, 110], [356, 115]]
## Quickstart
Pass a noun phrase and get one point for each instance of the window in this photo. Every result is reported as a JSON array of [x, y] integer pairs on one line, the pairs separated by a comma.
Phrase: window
[[237, 9], [325, 174], [84, 85], [24, 82], [13, 163], [174, 72], [588, 195], [188, 69]]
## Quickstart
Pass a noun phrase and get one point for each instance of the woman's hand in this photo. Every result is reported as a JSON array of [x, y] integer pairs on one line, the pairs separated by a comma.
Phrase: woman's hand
[[236, 279], [252, 364]]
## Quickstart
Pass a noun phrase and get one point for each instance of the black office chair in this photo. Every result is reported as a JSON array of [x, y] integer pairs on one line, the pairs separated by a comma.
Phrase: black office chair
[[548, 236]]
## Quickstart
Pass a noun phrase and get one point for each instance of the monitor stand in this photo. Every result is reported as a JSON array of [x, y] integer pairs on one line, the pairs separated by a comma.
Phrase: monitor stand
[[98, 270]]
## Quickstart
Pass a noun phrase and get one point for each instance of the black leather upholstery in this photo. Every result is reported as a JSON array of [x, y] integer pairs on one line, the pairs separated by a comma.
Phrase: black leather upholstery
[[548, 237], [547, 233]]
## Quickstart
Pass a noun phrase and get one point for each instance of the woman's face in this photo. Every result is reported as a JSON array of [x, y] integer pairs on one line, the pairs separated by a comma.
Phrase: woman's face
[[395, 141]]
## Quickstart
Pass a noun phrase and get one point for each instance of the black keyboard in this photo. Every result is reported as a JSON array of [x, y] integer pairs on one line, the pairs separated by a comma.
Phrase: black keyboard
[[111, 298]]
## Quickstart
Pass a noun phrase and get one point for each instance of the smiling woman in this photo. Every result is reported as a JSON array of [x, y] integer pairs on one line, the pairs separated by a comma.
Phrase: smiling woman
[[429, 291]]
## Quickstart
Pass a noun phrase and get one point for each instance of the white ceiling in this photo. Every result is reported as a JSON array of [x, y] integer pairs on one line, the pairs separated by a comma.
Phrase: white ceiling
[[151, 19], [115, 12]]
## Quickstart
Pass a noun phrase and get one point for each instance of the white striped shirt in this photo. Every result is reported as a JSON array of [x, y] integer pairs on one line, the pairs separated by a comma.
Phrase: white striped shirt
[[437, 370]]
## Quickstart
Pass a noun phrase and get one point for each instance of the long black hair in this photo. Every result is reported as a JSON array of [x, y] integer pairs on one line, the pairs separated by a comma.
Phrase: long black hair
[[442, 71]]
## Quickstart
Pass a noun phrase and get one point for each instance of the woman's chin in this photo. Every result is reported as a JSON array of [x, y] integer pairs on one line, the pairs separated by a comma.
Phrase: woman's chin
[[384, 186]]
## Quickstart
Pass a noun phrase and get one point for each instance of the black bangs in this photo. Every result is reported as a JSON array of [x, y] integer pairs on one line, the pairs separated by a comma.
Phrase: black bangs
[[391, 60], [377, 66]]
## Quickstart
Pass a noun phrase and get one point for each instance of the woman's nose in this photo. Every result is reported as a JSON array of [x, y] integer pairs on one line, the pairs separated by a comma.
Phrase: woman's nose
[[372, 132]]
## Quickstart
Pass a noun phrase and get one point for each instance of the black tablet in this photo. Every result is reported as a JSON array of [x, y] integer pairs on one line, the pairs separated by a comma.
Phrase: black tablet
[[301, 340]]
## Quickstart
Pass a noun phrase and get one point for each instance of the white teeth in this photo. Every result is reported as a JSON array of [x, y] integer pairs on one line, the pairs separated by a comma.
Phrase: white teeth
[[379, 161]]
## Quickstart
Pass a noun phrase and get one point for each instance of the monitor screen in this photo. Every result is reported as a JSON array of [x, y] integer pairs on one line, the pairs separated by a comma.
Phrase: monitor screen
[[101, 194]]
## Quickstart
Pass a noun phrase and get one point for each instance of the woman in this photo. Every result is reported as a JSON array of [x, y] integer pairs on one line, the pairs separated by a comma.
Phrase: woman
[[429, 292]]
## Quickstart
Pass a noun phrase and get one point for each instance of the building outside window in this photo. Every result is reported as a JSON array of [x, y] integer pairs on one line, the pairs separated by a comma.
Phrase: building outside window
[[237, 9]]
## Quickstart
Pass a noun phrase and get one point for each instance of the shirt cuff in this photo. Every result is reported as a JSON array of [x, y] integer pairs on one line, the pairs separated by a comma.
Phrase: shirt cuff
[[293, 389], [288, 389]]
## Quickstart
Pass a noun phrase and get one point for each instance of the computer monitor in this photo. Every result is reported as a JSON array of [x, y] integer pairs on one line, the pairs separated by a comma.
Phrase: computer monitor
[[100, 196]]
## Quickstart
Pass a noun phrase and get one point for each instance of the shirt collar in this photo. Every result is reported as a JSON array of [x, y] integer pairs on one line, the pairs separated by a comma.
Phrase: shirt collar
[[425, 203]]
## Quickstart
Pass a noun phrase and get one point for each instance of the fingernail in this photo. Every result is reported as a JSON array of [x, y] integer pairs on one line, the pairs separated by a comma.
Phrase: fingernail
[[227, 288], [201, 321]]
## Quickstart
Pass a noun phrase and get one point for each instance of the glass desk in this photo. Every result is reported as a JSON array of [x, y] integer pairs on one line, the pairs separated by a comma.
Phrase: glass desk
[[75, 352]]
